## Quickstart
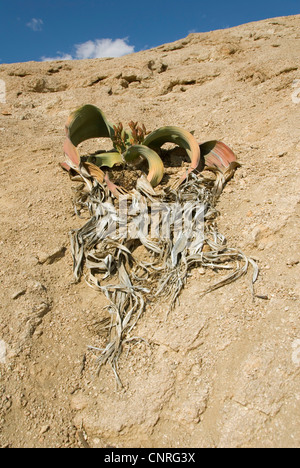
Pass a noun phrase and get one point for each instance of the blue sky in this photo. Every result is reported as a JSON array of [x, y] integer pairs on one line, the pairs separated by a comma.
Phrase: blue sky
[[75, 29]]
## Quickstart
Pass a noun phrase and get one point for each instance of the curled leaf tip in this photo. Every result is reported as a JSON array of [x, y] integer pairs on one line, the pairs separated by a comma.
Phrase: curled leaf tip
[[180, 137], [156, 167], [217, 154]]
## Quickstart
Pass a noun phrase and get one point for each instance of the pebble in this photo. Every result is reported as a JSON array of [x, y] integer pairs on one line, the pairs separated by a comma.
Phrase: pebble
[[44, 429], [201, 271], [37, 286], [49, 258], [18, 294], [6, 112], [256, 233]]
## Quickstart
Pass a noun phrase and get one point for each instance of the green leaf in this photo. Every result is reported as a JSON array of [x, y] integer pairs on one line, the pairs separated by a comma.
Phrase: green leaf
[[178, 136], [156, 168], [88, 122], [106, 159]]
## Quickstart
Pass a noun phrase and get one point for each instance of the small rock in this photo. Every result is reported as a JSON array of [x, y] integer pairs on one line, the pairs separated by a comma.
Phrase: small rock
[[124, 84], [18, 294], [258, 233], [6, 112], [41, 310], [107, 89], [130, 77], [44, 429], [57, 254], [201, 271], [93, 80], [37, 286], [228, 49], [37, 85]]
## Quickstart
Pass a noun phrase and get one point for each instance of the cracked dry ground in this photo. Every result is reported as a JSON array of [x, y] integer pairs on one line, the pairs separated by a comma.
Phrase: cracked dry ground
[[220, 371]]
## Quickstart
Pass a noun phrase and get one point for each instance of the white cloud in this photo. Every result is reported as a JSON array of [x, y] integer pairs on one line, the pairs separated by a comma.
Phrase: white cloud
[[103, 48], [99, 48], [57, 57], [36, 24]]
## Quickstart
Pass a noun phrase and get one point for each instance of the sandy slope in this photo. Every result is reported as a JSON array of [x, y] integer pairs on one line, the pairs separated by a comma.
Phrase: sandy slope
[[221, 371]]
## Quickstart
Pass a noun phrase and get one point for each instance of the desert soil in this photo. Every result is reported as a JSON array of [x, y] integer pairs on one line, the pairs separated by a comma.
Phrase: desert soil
[[220, 370]]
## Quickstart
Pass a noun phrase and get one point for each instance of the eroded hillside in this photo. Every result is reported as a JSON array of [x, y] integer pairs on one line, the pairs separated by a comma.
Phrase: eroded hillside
[[221, 370]]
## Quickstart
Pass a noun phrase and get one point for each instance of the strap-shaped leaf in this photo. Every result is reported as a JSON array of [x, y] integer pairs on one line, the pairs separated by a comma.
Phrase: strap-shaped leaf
[[156, 168], [94, 171], [108, 159], [180, 137], [72, 153], [88, 122], [220, 159], [217, 154], [116, 190]]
